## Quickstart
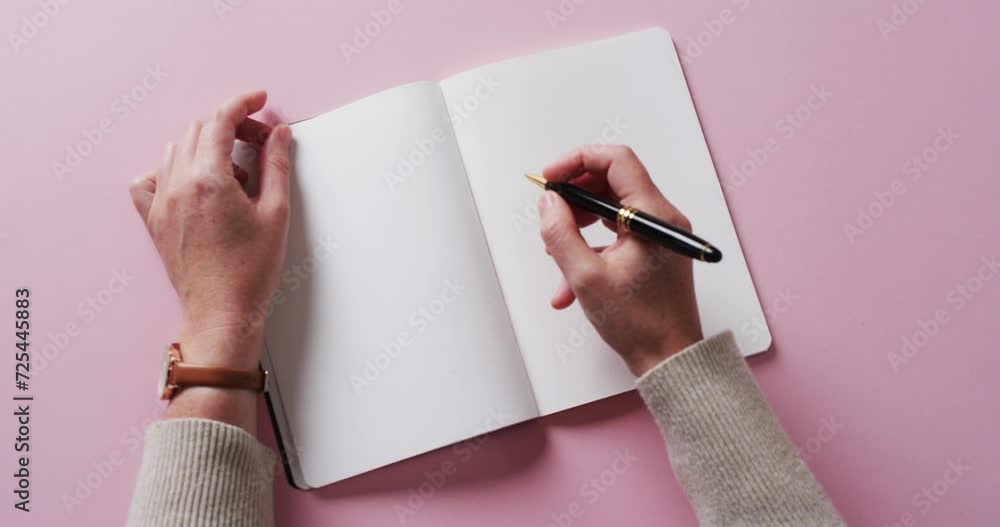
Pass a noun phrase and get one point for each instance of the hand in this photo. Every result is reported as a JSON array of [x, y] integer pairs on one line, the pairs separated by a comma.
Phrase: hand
[[223, 249], [639, 297]]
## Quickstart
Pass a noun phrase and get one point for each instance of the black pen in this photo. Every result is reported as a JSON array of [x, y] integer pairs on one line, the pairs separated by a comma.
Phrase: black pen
[[630, 219]]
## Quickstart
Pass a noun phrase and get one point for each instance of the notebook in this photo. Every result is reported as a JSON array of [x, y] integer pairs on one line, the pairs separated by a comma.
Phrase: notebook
[[413, 312]]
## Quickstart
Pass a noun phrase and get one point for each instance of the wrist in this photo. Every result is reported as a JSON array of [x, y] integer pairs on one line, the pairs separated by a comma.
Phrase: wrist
[[642, 361], [228, 346]]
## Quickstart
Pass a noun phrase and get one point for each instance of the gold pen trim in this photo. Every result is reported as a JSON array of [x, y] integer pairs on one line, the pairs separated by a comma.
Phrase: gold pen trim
[[625, 216]]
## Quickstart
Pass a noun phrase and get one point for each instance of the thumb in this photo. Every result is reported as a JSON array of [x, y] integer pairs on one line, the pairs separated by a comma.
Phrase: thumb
[[564, 242], [275, 168]]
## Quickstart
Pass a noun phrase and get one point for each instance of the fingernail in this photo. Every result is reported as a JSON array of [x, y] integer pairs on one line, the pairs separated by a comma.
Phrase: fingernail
[[280, 133]]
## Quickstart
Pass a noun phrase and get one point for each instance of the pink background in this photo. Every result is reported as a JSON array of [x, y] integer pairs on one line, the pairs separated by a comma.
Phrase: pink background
[[854, 302]]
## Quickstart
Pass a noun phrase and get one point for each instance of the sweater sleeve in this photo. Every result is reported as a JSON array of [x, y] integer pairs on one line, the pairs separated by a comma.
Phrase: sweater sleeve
[[730, 454], [198, 472]]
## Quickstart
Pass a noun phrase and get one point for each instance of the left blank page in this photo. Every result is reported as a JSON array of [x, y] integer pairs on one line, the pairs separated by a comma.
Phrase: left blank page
[[392, 338]]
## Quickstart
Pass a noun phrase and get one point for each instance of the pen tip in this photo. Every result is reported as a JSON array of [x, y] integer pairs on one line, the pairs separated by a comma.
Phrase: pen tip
[[536, 179]]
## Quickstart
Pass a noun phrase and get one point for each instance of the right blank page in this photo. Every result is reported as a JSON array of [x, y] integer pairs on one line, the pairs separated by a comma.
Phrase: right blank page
[[627, 90]]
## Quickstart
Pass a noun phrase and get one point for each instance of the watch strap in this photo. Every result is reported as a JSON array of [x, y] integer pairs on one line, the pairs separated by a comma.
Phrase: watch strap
[[188, 375]]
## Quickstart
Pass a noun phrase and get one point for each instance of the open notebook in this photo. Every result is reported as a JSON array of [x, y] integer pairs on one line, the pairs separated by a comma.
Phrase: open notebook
[[414, 312]]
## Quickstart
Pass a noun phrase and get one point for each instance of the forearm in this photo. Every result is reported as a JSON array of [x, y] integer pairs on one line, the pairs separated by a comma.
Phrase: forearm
[[733, 458], [202, 464]]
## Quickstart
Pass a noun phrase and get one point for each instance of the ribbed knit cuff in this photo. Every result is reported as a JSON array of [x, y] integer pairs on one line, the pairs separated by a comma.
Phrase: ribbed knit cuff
[[728, 450], [200, 472]]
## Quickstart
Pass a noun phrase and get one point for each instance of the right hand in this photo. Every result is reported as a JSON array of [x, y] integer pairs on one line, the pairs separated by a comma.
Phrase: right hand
[[639, 297]]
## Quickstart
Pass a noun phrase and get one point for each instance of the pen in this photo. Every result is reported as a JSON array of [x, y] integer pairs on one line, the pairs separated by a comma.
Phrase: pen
[[630, 219]]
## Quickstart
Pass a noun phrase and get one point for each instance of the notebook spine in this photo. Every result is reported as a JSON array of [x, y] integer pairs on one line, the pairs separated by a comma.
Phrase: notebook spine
[[282, 451]]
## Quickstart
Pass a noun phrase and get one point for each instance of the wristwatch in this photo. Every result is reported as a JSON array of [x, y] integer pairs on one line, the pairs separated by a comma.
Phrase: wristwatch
[[178, 374]]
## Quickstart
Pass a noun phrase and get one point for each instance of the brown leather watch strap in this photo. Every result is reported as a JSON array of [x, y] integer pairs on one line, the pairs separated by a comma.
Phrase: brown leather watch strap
[[186, 375]]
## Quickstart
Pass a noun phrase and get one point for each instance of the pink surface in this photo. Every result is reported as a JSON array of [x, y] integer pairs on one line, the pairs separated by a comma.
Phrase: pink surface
[[852, 303]]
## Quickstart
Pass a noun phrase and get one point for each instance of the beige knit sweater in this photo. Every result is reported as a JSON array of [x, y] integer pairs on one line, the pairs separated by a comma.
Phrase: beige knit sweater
[[735, 462]]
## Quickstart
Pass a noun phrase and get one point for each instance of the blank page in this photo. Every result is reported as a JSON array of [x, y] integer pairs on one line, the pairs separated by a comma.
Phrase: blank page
[[628, 90], [392, 338]]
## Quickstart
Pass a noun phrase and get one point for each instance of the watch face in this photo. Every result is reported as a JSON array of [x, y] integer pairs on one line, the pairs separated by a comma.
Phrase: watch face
[[161, 383], [165, 390]]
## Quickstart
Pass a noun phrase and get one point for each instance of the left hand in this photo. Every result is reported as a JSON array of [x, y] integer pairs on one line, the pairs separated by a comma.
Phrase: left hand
[[222, 248]]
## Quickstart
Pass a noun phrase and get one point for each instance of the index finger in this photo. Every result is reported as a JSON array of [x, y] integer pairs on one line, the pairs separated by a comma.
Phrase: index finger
[[615, 167], [219, 134]]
